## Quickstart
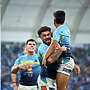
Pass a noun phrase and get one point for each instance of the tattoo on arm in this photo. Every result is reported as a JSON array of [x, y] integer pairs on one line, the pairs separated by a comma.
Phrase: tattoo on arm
[[55, 55]]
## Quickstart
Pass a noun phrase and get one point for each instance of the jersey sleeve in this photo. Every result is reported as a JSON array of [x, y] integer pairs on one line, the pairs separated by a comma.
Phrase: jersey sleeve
[[56, 35], [17, 61], [41, 52]]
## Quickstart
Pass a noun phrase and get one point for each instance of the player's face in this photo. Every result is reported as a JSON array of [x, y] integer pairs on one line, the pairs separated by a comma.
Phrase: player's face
[[31, 46], [46, 37]]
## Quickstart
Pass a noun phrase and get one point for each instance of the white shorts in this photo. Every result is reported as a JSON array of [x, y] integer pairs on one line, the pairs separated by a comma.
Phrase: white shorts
[[66, 67], [22, 87], [47, 83]]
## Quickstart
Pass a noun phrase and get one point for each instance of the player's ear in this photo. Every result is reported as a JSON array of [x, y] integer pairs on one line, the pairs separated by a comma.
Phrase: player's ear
[[40, 36]]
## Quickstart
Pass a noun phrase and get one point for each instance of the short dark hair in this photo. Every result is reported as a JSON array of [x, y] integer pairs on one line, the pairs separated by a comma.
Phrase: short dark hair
[[43, 29], [60, 16], [30, 40]]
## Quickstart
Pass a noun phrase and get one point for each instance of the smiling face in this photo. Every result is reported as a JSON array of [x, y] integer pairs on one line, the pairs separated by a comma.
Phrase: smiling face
[[46, 37], [30, 46]]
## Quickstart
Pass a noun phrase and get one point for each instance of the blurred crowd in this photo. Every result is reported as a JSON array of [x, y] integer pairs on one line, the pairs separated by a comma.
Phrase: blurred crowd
[[11, 51], [82, 58]]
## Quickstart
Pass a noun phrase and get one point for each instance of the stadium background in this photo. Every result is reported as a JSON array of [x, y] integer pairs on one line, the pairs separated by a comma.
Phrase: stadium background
[[20, 20]]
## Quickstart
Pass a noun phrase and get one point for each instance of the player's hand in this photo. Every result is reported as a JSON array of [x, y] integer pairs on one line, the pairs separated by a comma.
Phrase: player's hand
[[44, 63], [15, 87], [63, 48], [57, 46], [23, 66], [77, 69], [50, 60]]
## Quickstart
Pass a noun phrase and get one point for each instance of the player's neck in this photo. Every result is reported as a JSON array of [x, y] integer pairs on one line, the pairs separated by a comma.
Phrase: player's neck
[[30, 53], [57, 25]]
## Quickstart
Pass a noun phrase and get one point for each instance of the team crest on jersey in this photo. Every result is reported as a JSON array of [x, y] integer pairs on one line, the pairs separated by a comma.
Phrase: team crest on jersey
[[62, 37]]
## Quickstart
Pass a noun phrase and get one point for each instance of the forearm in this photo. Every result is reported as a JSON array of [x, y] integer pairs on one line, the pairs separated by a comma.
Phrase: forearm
[[50, 50], [56, 54], [13, 78], [54, 57]]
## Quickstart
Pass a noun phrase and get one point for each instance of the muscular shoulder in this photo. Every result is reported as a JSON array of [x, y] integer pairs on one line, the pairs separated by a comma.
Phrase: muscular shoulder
[[42, 48]]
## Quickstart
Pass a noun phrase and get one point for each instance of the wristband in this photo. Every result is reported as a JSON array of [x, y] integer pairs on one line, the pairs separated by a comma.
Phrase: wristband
[[13, 82]]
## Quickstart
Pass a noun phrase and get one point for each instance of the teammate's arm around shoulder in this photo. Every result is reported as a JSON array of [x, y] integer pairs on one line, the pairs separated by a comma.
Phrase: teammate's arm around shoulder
[[54, 57]]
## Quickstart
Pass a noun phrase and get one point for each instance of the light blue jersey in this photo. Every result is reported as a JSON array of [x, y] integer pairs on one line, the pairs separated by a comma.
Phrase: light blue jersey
[[41, 51], [62, 35], [50, 71], [65, 62], [25, 78]]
